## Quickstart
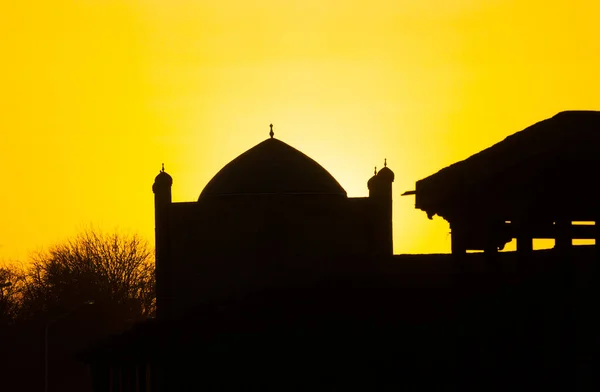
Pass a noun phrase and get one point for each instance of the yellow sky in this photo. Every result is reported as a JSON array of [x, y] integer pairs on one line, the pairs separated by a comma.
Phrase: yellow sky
[[96, 94]]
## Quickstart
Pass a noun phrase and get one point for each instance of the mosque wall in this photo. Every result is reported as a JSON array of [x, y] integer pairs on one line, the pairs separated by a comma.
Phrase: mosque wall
[[227, 247]]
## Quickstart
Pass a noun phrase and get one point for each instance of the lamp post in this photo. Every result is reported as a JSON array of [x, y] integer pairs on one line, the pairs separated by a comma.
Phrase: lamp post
[[46, 328]]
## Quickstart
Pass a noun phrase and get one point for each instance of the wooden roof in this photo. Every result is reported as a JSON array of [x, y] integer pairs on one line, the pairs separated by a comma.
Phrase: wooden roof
[[553, 160]]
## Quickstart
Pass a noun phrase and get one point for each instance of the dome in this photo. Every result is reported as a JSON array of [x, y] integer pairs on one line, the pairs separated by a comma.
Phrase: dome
[[372, 180], [386, 174], [162, 180], [272, 167]]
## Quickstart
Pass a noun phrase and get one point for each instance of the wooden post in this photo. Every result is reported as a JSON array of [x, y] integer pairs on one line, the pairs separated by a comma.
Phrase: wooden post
[[524, 237], [524, 245], [523, 233], [563, 237], [597, 239], [457, 235], [491, 239], [491, 250]]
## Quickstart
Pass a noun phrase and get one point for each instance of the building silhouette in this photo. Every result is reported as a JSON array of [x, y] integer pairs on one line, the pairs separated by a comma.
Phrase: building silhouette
[[271, 217], [274, 278], [537, 183], [271, 220]]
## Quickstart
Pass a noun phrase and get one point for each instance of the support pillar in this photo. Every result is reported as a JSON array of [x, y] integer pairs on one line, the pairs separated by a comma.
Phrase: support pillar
[[459, 255], [524, 238], [523, 233], [524, 245], [458, 240], [597, 239], [492, 233], [563, 237], [491, 250], [458, 237]]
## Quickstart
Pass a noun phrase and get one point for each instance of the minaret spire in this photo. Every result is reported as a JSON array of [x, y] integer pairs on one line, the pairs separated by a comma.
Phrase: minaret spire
[[271, 133], [385, 162], [163, 168]]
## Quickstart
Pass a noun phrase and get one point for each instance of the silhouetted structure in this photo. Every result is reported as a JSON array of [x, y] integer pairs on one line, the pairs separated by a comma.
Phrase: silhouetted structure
[[271, 219], [534, 184], [274, 278]]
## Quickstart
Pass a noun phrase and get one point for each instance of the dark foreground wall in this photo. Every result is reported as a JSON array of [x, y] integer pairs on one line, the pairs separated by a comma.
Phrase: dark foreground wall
[[411, 326]]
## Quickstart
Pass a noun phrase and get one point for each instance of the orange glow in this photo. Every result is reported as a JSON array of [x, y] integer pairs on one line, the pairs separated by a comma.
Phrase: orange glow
[[97, 94]]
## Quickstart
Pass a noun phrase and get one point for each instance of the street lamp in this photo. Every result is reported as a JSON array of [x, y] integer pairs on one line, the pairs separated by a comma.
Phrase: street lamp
[[47, 327]]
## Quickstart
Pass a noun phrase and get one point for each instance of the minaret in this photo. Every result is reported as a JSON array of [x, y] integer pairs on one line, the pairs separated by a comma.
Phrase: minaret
[[380, 191], [162, 203]]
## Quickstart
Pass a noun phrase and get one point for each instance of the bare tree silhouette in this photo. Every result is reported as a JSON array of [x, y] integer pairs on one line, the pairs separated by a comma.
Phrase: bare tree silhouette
[[115, 270], [12, 282], [37, 303]]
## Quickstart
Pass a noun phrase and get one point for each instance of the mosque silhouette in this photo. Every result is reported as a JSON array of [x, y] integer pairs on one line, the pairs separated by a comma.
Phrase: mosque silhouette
[[271, 217], [274, 277], [270, 222]]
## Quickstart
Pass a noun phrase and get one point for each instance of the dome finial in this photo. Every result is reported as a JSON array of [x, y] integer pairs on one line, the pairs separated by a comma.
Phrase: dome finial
[[385, 162], [163, 168], [375, 170], [271, 133]]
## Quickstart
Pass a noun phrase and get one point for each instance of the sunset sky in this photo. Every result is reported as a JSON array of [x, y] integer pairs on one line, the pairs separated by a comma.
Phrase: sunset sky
[[96, 94]]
